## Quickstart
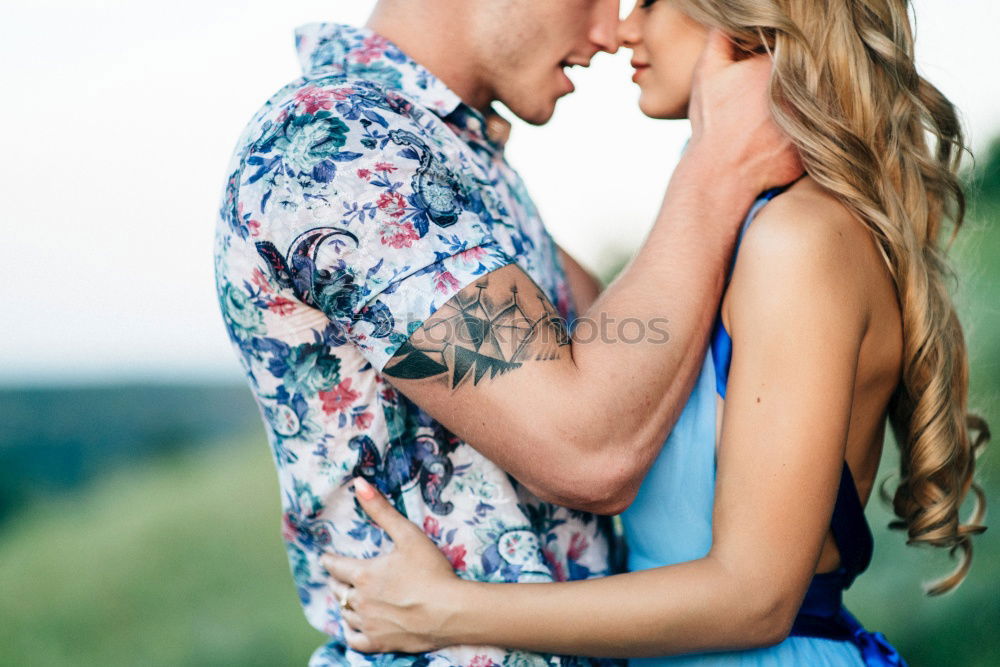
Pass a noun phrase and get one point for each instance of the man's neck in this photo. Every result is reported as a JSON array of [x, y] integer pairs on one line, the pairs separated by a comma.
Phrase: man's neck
[[417, 29]]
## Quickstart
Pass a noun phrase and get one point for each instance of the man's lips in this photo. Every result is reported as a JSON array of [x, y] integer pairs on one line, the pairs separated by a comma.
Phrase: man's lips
[[568, 64]]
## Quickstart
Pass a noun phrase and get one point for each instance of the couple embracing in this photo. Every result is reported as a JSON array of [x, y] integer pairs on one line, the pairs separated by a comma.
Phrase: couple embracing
[[445, 423]]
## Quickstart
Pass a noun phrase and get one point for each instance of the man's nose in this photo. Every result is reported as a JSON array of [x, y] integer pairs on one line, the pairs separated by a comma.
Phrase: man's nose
[[604, 29]]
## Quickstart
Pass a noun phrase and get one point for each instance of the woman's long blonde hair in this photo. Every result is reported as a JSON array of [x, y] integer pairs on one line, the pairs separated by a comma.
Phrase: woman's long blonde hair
[[888, 144]]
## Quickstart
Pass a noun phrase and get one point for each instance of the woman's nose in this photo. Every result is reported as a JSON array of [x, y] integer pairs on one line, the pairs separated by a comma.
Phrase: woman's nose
[[629, 32]]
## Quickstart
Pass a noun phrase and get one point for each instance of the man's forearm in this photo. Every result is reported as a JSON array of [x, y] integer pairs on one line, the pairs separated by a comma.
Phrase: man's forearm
[[580, 420], [677, 277]]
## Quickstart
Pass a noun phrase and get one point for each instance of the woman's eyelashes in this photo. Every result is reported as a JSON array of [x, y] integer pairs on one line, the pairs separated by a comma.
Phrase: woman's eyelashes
[[646, 4]]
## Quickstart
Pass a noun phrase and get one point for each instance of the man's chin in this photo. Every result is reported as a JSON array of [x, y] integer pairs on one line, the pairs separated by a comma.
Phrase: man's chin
[[535, 115]]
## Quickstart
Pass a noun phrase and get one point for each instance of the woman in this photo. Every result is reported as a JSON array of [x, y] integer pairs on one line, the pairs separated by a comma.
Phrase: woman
[[750, 525]]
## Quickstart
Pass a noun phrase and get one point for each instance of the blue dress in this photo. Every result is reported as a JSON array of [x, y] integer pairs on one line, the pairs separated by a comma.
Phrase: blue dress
[[670, 522]]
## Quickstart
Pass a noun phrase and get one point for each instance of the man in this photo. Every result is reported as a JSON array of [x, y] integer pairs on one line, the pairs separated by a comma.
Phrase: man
[[401, 312]]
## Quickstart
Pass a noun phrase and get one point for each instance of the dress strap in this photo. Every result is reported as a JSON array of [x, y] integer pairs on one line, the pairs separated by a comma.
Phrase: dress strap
[[722, 344], [722, 356], [850, 528]]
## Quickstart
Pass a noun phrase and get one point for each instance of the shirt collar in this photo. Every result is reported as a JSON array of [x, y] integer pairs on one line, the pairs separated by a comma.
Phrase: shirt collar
[[326, 48], [333, 48]]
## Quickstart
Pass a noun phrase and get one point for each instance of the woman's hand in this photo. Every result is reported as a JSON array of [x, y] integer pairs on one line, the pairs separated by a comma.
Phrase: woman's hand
[[397, 601]]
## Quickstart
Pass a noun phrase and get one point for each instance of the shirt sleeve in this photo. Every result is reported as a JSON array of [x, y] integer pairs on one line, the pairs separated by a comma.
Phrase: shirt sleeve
[[365, 212]]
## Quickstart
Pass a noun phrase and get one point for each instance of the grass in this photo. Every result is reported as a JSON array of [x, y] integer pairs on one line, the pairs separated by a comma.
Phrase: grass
[[179, 562], [176, 562], [959, 628]]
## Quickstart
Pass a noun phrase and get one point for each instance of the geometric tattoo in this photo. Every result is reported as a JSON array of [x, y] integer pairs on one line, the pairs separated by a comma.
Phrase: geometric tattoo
[[478, 334]]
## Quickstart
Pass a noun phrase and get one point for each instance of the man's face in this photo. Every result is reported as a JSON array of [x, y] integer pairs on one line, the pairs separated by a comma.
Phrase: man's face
[[525, 46]]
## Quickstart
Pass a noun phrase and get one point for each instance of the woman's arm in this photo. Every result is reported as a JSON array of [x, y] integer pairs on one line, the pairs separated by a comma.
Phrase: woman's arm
[[798, 322]]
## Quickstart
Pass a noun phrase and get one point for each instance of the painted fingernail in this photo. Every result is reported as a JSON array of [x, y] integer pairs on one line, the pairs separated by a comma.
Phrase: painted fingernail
[[363, 489]]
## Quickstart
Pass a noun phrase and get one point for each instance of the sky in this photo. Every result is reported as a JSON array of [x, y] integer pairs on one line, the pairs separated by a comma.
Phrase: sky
[[121, 116]]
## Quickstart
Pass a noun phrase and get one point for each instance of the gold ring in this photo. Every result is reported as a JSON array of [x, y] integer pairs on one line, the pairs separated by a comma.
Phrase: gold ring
[[345, 602]]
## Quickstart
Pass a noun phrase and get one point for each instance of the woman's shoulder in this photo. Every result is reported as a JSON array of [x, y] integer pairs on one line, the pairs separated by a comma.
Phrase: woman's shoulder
[[803, 245], [809, 222]]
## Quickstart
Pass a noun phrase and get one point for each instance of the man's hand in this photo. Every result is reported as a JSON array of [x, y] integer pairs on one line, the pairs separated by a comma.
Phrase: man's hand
[[732, 123]]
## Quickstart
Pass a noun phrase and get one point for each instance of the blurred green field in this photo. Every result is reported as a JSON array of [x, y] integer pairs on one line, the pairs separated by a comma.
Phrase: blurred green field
[[959, 628], [178, 561]]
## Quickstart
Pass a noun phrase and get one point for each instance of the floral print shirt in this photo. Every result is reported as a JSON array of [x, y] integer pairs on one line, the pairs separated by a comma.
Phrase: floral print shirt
[[360, 198]]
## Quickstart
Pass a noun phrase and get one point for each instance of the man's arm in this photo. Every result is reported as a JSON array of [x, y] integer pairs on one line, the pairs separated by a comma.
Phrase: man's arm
[[579, 421], [787, 416], [583, 285], [786, 421]]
